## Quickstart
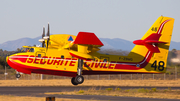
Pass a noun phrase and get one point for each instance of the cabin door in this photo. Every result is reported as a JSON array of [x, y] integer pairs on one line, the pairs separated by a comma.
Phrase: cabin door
[[39, 57]]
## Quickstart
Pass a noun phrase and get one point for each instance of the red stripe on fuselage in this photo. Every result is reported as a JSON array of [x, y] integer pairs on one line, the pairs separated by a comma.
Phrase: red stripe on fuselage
[[93, 64], [21, 58], [135, 66], [86, 72], [31, 69]]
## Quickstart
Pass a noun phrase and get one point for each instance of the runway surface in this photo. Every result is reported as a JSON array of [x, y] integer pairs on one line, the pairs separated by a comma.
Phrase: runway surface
[[39, 92]]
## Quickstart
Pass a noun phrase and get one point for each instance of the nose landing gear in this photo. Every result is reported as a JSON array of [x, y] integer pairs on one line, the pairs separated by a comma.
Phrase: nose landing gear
[[18, 75]]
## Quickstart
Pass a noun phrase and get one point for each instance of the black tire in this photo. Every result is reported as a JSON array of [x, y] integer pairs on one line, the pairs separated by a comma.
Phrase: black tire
[[73, 81], [79, 79], [18, 75]]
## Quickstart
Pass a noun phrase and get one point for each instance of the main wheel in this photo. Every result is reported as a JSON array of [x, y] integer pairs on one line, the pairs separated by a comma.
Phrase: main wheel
[[18, 75], [73, 81], [79, 79]]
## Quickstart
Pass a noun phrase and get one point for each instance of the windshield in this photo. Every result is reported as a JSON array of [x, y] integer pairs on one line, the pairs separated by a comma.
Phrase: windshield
[[23, 49], [27, 49]]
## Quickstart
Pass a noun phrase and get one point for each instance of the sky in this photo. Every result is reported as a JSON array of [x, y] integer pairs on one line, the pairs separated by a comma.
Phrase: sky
[[125, 19]]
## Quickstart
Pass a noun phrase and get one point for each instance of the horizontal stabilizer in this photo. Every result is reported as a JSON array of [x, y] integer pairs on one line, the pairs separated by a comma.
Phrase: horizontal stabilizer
[[150, 44], [152, 48], [154, 41]]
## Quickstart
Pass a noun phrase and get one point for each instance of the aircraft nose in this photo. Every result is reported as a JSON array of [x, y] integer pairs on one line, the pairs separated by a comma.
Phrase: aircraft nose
[[7, 58]]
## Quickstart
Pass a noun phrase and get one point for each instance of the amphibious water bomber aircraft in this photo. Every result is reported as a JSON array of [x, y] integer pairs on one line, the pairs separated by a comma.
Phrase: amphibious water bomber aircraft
[[75, 56]]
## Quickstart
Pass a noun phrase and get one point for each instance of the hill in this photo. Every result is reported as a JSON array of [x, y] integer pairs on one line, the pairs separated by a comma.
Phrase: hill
[[115, 44]]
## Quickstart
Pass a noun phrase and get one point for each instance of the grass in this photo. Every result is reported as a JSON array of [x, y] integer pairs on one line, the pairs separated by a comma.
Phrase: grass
[[141, 92], [67, 82], [81, 91], [20, 98]]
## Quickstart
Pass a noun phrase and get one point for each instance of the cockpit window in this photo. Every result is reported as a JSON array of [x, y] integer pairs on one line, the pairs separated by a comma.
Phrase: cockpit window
[[31, 50], [21, 49], [27, 50]]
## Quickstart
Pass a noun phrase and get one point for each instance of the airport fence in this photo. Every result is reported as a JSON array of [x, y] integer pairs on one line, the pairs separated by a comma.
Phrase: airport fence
[[173, 73]]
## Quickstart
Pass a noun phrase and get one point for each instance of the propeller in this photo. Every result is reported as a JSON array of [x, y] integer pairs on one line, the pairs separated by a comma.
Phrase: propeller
[[47, 37]]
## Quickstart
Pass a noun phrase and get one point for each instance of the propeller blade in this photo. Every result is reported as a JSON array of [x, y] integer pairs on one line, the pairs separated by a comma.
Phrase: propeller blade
[[48, 34], [48, 30], [43, 43]]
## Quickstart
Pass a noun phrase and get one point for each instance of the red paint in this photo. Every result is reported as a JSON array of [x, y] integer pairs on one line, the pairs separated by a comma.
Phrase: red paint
[[67, 61], [52, 60], [21, 58], [87, 38], [152, 40], [62, 62], [87, 72], [30, 69], [57, 61], [37, 60], [92, 64], [111, 66], [72, 63], [139, 42], [43, 60], [97, 64], [30, 59], [79, 57]]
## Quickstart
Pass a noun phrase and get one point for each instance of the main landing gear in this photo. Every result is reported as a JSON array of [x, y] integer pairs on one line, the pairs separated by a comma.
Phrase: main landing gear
[[79, 79]]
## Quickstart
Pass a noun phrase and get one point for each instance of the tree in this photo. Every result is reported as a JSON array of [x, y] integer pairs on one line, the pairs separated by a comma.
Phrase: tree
[[171, 54]]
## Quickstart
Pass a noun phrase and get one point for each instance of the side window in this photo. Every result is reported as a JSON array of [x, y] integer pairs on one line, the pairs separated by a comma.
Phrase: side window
[[39, 55], [26, 50], [31, 50], [62, 56], [105, 60]]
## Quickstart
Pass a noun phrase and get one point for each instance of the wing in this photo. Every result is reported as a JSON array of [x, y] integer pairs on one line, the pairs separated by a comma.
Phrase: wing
[[61, 41], [87, 43]]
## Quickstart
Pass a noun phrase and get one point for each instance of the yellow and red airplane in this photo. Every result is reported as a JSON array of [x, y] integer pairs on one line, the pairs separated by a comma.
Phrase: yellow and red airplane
[[74, 56]]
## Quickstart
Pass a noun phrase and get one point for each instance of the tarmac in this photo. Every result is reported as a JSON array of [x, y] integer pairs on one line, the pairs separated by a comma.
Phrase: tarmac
[[39, 92]]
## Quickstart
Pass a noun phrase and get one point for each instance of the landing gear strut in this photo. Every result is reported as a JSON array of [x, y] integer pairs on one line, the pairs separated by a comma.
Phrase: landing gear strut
[[79, 79]]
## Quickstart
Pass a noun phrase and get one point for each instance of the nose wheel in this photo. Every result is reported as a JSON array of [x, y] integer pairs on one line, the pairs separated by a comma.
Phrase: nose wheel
[[18, 75]]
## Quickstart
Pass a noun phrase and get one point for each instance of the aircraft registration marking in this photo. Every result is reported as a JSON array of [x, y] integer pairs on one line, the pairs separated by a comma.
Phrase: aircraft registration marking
[[125, 59]]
